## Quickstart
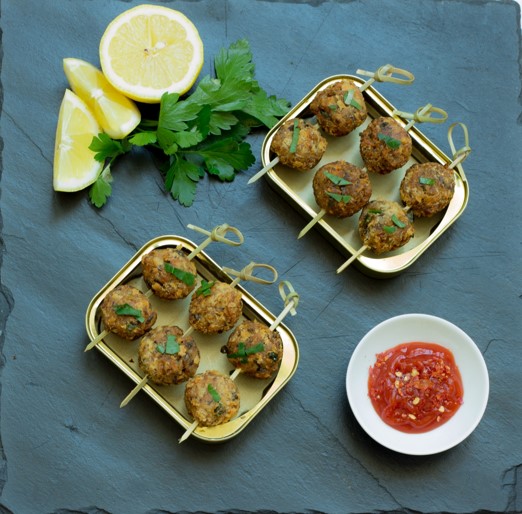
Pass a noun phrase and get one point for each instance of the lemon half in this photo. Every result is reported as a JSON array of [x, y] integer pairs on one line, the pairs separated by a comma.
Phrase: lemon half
[[75, 167], [117, 115], [149, 50]]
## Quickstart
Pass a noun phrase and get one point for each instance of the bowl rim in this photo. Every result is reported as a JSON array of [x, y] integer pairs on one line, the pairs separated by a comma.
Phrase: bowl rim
[[405, 328]]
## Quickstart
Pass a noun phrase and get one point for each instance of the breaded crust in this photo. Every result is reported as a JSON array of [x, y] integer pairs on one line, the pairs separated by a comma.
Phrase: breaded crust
[[164, 283], [333, 114], [427, 188], [384, 226], [385, 145], [255, 349], [343, 197], [127, 326], [166, 368], [217, 312], [309, 149], [213, 405]]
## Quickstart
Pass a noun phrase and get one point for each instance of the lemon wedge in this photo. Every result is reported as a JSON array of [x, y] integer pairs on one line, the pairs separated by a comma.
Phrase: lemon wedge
[[117, 115], [149, 50], [75, 167]]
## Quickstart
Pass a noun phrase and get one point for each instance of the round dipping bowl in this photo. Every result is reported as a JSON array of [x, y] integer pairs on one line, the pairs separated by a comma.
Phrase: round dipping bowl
[[427, 329]]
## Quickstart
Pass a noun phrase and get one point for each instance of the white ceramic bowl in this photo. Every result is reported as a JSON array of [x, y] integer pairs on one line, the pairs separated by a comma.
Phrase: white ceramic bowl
[[428, 329]]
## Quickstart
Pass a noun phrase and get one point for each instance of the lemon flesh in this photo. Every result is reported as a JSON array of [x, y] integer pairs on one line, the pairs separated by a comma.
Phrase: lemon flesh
[[75, 167], [117, 115], [149, 50]]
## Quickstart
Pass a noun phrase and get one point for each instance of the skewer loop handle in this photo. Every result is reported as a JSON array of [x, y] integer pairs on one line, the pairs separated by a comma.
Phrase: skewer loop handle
[[386, 74], [423, 115], [217, 234], [247, 273], [290, 299], [462, 153]]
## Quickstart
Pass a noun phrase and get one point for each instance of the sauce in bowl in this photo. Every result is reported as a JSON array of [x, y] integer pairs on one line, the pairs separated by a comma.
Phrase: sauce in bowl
[[415, 387]]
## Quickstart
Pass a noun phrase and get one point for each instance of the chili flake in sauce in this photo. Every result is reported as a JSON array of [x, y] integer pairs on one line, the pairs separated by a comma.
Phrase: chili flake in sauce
[[415, 387]]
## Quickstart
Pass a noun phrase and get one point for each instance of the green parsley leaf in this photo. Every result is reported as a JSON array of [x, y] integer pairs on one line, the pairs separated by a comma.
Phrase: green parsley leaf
[[171, 347], [235, 62], [127, 310], [215, 395], [181, 180], [333, 107], [243, 352], [397, 221], [295, 137], [339, 198], [389, 229], [175, 114], [390, 141], [221, 122], [203, 132], [101, 189], [222, 157], [184, 276], [144, 138], [338, 181], [205, 288], [266, 109], [107, 148], [426, 181]]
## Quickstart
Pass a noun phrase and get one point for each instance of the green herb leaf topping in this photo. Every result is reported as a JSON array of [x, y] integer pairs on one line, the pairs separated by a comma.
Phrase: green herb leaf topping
[[205, 288], [390, 141], [338, 181], [389, 229], [127, 310], [426, 181], [339, 198], [243, 352], [397, 221], [215, 395], [184, 276], [171, 347], [295, 137]]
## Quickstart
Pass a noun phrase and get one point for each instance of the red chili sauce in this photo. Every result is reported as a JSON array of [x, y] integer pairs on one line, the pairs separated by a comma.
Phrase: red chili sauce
[[415, 387]]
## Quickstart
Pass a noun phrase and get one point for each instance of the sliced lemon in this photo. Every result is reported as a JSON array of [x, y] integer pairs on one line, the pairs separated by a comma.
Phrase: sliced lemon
[[75, 167], [117, 115], [149, 50]]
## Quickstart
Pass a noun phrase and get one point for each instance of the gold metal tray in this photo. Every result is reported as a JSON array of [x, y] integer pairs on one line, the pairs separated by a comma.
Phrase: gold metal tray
[[254, 393], [296, 186]]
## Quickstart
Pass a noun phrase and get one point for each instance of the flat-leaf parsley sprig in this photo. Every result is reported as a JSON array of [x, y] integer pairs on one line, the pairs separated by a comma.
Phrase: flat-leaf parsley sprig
[[201, 133]]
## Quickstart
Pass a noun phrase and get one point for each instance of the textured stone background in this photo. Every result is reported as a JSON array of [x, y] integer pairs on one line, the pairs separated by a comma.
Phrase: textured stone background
[[67, 447]]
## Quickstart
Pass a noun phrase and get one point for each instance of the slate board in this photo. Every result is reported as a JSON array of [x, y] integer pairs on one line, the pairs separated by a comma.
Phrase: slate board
[[67, 447]]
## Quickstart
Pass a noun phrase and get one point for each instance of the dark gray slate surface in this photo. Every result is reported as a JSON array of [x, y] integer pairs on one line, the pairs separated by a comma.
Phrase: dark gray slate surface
[[67, 447]]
